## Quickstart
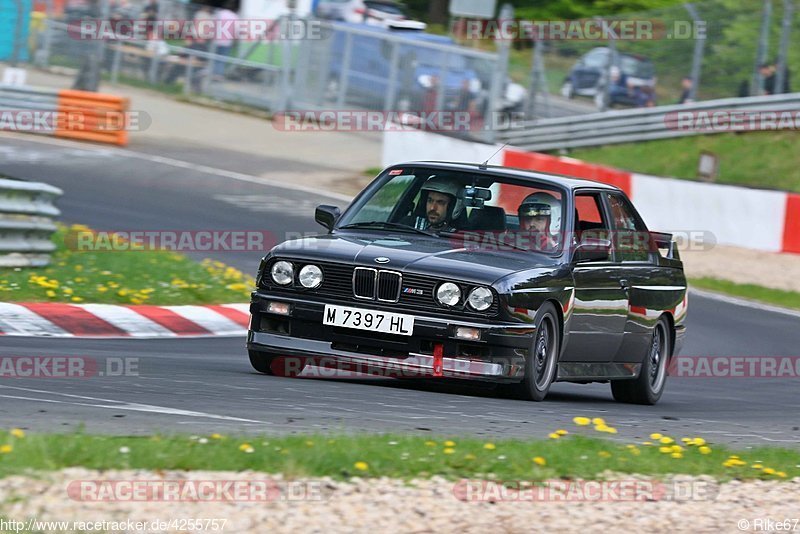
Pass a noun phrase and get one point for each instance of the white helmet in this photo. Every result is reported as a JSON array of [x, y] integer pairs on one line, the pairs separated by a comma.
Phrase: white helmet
[[449, 187], [542, 204]]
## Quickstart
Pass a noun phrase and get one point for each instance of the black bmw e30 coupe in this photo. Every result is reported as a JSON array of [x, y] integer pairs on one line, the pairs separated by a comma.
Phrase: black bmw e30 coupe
[[477, 272]]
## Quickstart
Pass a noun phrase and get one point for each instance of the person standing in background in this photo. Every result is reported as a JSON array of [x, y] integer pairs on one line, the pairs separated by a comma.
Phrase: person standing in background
[[226, 15]]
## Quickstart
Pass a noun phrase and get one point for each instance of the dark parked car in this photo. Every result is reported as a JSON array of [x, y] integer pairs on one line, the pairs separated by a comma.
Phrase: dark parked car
[[477, 272], [632, 78]]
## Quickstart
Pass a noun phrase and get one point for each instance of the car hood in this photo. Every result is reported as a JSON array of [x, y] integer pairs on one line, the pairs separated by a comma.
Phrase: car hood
[[408, 253]]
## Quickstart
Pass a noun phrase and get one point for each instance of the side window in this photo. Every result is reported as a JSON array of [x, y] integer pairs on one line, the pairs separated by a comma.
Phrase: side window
[[631, 240], [590, 222]]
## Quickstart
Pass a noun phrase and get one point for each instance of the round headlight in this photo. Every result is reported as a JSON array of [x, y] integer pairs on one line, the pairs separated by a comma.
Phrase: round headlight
[[310, 276], [448, 294], [480, 298], [282, 273]]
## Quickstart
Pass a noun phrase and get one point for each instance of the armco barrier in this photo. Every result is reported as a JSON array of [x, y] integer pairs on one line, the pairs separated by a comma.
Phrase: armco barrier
[[738, 216], [81, 115], [26, 222]]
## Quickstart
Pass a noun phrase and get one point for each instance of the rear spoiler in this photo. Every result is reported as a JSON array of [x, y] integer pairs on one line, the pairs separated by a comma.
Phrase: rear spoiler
[[664, 242]]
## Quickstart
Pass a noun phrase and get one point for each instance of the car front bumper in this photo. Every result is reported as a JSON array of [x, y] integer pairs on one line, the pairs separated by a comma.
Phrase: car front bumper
[[498, 356]]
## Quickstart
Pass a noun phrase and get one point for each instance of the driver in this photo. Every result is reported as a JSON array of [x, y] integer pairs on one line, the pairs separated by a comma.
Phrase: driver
[[536, 213], [442, 205]]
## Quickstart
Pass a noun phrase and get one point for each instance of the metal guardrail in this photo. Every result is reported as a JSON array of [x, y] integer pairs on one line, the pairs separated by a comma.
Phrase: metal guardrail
[[26, 222], [625, 126]]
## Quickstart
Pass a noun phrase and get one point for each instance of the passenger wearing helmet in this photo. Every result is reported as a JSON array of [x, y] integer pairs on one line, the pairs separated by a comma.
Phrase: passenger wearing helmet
[[536, 214], [442, 203]]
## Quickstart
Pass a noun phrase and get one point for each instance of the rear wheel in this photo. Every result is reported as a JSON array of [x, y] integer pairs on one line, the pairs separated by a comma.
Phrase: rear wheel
[[542, 360], [272, 364], [649, 385]]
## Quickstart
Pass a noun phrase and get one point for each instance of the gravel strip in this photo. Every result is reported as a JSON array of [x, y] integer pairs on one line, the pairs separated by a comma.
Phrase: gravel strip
[[370, 505]]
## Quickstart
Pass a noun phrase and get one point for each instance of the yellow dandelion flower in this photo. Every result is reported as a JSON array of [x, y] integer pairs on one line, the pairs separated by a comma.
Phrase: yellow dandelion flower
[[599, 421], [647, 443], [361, 466], [757, 466], [676, 448], [538, 460], [656, 436], [102, 289], [430, 443], [699, 442], [50, 293], [216, 436], [687, 441], [553, 435], [77, 299], [665, 450], [245, 446], [768, 471], [489, 446], [17, 433], [581, 421], [449, 443], [666, 440], [562, 432], [704, 450], [677, 455], [781, 474], [5, 449], [449, 450]]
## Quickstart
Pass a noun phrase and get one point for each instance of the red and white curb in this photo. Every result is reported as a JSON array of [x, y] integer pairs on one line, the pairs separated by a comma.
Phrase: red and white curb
[[51, 319]]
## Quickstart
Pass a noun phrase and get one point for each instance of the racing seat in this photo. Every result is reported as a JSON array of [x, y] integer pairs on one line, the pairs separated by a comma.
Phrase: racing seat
[[488, 218]]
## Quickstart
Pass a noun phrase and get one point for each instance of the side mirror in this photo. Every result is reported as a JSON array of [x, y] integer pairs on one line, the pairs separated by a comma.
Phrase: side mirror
[[327, 215], [592, 250]]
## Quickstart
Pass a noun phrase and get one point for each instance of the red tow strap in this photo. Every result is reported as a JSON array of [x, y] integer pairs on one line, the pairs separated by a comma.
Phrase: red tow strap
[[438, 360]]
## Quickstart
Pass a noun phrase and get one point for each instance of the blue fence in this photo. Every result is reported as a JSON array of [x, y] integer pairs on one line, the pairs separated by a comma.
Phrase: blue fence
[[13, 31]]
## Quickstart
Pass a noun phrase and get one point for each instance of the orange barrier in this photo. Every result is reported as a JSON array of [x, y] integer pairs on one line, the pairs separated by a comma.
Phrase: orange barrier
[[95, 117]]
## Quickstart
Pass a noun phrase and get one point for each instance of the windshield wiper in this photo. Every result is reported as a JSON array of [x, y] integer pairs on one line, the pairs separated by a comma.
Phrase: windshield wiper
[[458, 233], [385, 224]]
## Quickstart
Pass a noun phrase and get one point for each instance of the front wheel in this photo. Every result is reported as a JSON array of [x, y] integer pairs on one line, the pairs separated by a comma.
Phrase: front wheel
[[542, 360], [649, 385]]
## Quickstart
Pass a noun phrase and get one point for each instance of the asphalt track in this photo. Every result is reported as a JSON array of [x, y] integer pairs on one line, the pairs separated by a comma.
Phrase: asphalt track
[[207, 385]]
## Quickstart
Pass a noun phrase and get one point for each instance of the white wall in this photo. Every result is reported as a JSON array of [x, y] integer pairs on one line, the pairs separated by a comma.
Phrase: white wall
[[735, 215], [402, 146]]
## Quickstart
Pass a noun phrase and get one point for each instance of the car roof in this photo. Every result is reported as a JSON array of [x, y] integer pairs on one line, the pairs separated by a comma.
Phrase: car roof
[[568, 182]]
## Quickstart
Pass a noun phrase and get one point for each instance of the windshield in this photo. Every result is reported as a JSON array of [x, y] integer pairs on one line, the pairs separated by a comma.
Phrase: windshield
[[487, 209]]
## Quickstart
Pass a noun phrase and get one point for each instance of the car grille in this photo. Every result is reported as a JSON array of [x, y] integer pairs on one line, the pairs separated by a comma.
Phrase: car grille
[[358, 284]]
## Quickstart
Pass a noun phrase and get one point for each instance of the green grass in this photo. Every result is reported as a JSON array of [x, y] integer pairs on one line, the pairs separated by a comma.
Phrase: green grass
[[778, 297], [757, 159], [123, 277], [384, 455]]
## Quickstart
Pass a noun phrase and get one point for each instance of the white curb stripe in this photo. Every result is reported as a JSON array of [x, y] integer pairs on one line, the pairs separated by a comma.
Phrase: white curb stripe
[[20, 321], [212, 321], [128, 320]]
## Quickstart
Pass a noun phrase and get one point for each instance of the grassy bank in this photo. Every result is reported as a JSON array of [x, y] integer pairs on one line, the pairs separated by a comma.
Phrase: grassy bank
[[123, 277], [778, 297], [756, 159], [578, 453]]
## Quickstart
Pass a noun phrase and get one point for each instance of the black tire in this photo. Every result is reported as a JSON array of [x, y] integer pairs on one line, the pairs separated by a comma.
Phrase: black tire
[[275, 364], [649, 385], [542, 361]]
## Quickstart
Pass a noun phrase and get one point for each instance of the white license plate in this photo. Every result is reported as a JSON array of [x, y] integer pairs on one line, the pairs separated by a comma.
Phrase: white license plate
[[372, 320]]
